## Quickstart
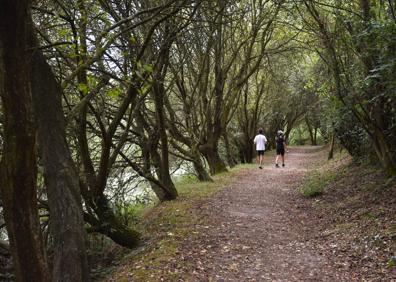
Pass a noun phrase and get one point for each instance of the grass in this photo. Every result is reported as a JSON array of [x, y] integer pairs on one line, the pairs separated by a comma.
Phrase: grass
[[391, 263], [165, 226], [358, 213], [316, 181], [315, 184]]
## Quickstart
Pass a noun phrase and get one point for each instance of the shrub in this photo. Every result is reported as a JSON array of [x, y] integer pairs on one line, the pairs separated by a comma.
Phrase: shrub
[[316, 183]]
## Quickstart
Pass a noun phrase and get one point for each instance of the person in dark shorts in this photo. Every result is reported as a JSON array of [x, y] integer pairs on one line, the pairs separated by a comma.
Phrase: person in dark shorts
[[260, 141], [280, 147]]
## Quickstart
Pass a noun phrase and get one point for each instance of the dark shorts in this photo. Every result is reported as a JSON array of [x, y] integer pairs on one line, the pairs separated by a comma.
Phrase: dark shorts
[[280, 151], [260, 152]]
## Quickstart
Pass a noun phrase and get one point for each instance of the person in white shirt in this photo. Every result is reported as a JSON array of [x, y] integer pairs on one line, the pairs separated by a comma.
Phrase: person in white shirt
[[260, 141]]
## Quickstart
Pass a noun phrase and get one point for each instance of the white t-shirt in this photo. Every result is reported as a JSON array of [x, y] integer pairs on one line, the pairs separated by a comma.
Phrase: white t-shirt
[[260, 141]]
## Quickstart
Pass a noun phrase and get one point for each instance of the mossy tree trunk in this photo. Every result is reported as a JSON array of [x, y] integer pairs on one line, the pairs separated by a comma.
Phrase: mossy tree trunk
[[201, 171], [216, 164], [106, 222]]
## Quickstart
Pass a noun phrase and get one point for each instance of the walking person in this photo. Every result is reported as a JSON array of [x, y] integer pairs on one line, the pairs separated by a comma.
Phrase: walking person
[[260, 140], [280, 147]]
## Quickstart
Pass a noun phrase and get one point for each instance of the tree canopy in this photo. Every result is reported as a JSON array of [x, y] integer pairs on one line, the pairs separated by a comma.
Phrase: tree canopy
[[102, 98]]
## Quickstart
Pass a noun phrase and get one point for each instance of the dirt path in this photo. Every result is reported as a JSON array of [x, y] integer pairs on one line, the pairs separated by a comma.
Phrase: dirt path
[[256, 232]]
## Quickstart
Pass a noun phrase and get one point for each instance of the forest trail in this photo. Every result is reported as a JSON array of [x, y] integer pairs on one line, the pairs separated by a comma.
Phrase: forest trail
[[256, 231]]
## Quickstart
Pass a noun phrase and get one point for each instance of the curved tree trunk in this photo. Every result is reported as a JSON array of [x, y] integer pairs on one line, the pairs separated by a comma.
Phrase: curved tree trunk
[[211, 154], [162, 171], [202, 173], [61, 178], [108, 224], [102, 218], [151, 158], [159, 93]]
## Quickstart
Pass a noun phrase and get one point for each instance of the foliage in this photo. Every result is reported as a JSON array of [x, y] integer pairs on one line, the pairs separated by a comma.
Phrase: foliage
[[154, 87], [351, 135], [316, 183]]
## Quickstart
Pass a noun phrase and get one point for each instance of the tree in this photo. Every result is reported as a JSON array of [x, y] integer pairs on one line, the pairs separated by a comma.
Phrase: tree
[[358, 54], [18, 163], [61, 178], [214, 66]]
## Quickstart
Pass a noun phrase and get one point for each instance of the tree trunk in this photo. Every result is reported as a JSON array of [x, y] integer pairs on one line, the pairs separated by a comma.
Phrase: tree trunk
[[102, 219], [211, 154], [331, 151], [249, 150], [384, 154], [215, 126], [18, 165], [202, 174], [315, 135], [376, 121], [159, 92], [230, 160], [150, 158], [310, 130], [108, 224], [246, 152], [170, 193], [112, 227], [287, 134], [146, 156], [61, 178]]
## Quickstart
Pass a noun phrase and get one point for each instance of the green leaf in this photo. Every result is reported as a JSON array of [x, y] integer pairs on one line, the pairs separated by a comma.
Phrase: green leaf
[[148, 68], [143, 90], [113, 93], [83, 88], [63, 32]]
